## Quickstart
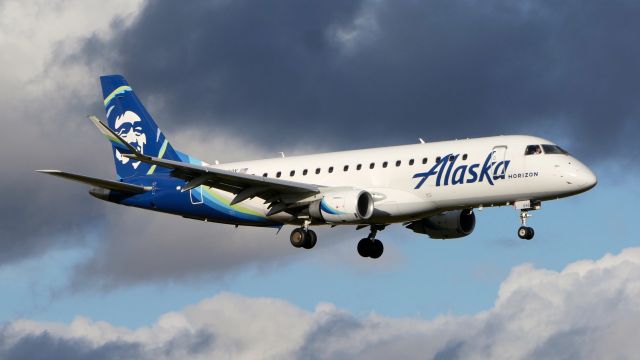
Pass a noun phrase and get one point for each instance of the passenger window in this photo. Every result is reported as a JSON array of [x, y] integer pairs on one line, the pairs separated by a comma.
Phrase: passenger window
[[533, 150], [464, 157], [265, 175], [398, 163], [346, 168], [317, 171], [304, 172], [410, 162], [330, 169], [278, 174], [372, 165], [384, 164], [359, 167], [438, 159], [293, 172], [424, 161]]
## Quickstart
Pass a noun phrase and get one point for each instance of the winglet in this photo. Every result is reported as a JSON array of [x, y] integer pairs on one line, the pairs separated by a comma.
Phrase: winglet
[[114, 138]]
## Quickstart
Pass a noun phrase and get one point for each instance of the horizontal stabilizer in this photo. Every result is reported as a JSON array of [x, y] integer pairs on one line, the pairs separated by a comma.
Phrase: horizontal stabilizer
[[105, 184]]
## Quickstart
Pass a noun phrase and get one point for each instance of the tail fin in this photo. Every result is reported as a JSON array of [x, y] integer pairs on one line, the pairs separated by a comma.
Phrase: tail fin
[[128, 118]]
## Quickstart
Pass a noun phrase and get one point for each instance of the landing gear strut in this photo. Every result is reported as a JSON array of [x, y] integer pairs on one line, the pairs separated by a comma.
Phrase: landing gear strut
[[525, 232], [370, 246], [303, 237]]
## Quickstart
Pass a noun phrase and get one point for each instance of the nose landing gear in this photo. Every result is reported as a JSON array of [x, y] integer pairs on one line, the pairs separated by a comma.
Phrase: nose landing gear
[[525, 232]]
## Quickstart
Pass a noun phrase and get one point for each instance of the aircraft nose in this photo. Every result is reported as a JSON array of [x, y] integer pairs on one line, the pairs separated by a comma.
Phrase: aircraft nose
[[587, 179]]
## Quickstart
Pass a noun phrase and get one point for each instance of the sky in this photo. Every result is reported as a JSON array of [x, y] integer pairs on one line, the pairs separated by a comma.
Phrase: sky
[[240, 80]]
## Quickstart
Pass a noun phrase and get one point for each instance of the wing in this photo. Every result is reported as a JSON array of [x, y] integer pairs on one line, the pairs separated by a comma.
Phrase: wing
[[281, 195], [106, 184]]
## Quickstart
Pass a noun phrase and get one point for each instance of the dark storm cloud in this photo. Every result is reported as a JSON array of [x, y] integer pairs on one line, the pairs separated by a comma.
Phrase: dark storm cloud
[[36, 210], [363, 73], [286, 74], [44, 97], [143, 246], [46, 346]]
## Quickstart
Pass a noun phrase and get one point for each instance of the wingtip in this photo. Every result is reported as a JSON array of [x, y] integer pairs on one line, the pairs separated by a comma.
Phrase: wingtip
[[94, 119], [49, 171]]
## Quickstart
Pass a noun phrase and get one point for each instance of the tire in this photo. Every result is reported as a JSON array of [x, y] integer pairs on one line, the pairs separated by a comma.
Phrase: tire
[[364, 247], [376, 249], [297, 237], [523, 231], [310, 240], [530, 234]]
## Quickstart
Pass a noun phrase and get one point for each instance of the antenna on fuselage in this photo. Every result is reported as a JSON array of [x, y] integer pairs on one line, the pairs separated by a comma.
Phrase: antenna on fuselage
[[421, 141], [282, 153]]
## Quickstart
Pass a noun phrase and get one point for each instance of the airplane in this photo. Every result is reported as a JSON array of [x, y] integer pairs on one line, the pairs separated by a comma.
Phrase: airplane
[[431, 188]]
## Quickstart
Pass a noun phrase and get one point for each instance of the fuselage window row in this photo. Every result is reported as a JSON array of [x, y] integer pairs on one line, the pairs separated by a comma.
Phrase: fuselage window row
[[345, 168]]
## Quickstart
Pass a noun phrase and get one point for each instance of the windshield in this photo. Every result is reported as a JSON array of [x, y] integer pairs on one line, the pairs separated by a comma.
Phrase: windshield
[[533, 150], [554, 149]]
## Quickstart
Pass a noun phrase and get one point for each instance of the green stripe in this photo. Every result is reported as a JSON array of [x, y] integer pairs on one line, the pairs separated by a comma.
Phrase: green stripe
[[226, 202], [115, 140], [115, 92], [163, 148]]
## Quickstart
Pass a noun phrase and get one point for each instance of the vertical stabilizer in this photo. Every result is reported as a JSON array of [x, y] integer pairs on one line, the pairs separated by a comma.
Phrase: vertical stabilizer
[[127, 117]]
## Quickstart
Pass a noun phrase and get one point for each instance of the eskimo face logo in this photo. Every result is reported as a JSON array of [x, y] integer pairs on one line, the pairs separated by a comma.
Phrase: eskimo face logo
[[129, 128]]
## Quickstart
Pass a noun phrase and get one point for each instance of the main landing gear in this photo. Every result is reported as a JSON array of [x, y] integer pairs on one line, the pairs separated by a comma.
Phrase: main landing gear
[[303, 237], [525, 232], [370, 246]]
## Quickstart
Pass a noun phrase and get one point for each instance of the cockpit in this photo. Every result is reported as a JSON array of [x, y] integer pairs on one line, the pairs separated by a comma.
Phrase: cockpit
[[544, 149]]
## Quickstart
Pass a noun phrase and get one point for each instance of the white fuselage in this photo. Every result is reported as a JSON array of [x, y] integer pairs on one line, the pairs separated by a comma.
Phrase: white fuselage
[[490, 171]]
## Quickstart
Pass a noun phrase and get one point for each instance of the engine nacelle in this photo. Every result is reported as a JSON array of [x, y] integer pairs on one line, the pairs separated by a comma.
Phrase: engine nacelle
[[450, 225], [342, 206]]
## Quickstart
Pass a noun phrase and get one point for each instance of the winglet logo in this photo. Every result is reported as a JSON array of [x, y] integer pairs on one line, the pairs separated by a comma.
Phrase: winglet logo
[[445, 173], [129, 127]]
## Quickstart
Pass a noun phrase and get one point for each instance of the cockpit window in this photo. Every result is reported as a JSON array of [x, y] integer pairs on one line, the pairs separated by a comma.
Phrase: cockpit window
[[533, 150], [554, 149]]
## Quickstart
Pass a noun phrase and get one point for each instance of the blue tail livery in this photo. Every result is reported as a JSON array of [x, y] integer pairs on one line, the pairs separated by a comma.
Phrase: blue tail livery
[[130, 120]]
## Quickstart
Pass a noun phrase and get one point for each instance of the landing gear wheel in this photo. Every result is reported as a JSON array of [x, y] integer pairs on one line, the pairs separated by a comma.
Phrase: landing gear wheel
[[525, 233], [522, 232], [376, 249], [364, 247], [298, 237], [531, 233], [310, 240]]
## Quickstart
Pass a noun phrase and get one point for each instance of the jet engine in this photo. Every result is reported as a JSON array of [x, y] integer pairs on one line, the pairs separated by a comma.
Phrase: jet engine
[[342, 206], [449, 225]]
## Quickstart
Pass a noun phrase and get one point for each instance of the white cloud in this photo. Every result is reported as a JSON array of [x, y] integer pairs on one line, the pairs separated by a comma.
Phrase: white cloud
[[43, 101], [590, 309], [46, 89]]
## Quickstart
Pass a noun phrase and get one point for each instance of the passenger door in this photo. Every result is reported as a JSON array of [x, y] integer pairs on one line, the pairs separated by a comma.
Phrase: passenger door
[[498, 159]]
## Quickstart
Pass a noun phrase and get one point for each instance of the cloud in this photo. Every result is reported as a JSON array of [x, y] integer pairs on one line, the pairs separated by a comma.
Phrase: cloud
[[589, 309], [383, 71], [46, 93], [236, 80], [43, 103], [140, 247]]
